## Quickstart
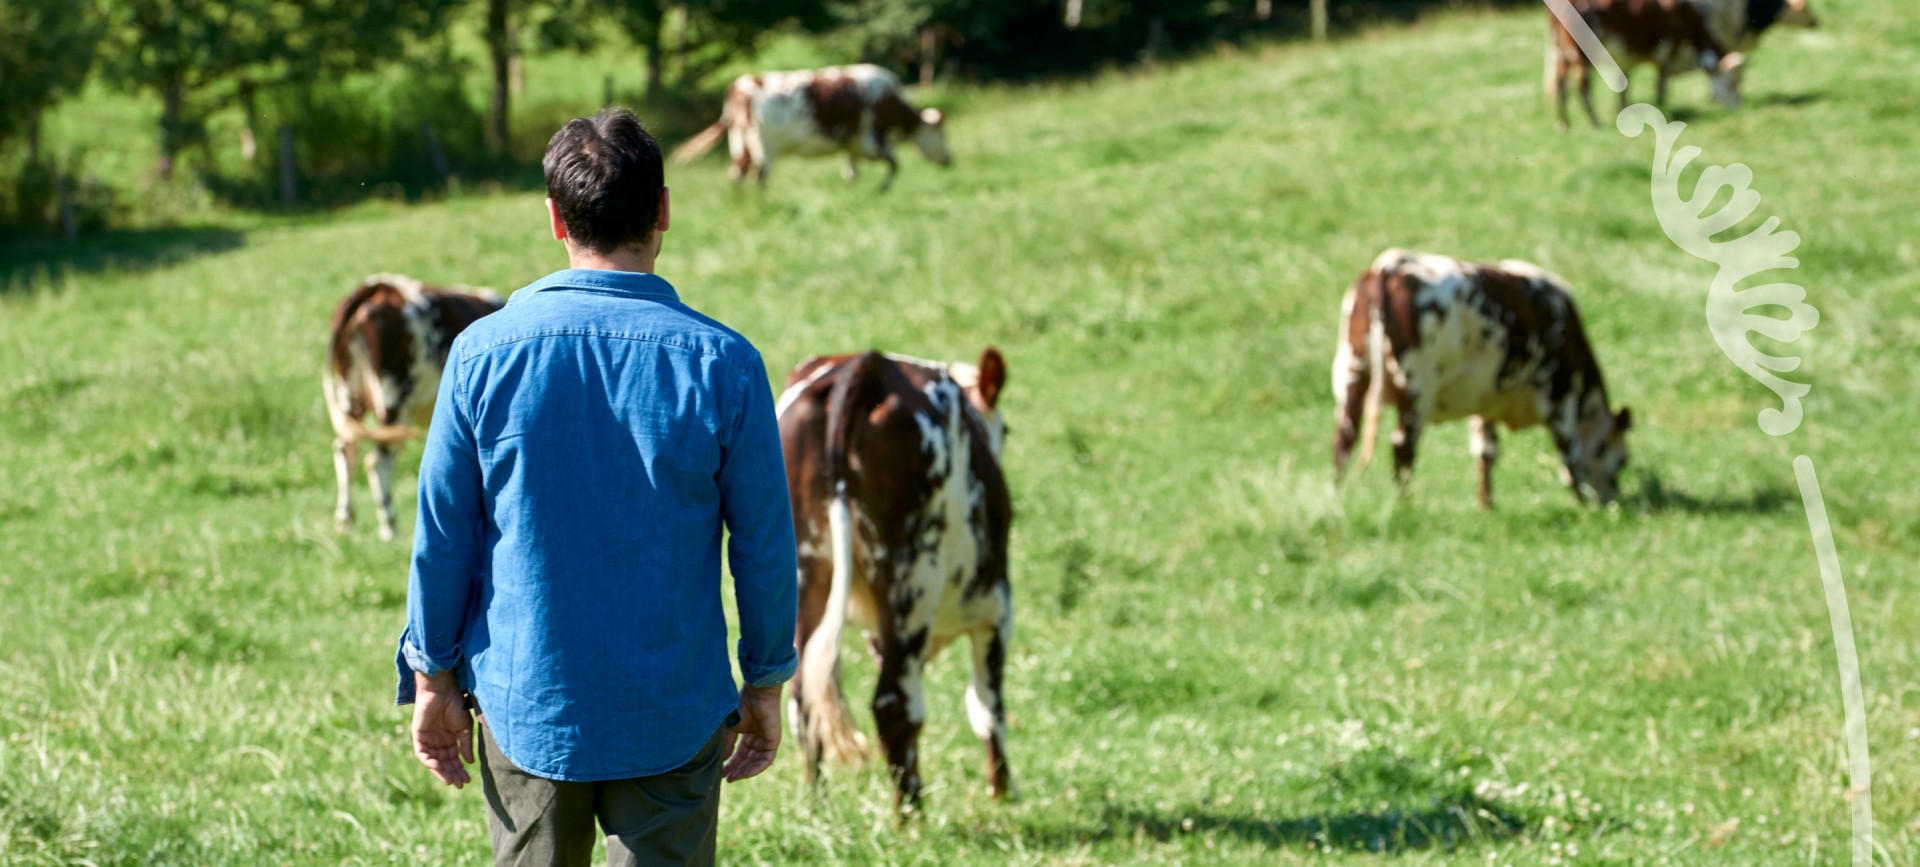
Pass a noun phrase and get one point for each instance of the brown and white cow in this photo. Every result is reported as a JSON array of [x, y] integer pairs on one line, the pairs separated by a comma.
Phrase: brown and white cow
[[855, 110], [1672, 35], [901, 514], [389, 343], [1738, 24], [1497, 344]]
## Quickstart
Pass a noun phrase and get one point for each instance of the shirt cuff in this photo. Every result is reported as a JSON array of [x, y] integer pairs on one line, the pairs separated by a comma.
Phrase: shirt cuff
[[762, 677], [408, 659]]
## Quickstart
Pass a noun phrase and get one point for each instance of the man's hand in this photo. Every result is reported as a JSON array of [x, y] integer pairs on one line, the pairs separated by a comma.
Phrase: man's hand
[[443, 727], [751, 745]]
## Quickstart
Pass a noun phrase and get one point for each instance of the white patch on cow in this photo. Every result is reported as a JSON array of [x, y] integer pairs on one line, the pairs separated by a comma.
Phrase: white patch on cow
[[915, 691], [380, 479], [931, 442], [794, 391]]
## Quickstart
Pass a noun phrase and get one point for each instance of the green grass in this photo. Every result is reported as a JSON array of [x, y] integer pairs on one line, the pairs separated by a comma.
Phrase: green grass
[[1218, 660]]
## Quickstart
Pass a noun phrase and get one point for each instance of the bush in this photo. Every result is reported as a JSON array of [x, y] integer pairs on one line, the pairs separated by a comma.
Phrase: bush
[[364, 135]]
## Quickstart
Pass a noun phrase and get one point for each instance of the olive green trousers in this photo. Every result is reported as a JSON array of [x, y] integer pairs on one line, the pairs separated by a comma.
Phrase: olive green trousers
[[666, 819]]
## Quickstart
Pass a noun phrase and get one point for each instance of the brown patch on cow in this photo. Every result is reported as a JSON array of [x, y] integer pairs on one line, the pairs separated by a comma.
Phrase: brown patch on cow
[[837, 107], [893, 118], [1643, 27]]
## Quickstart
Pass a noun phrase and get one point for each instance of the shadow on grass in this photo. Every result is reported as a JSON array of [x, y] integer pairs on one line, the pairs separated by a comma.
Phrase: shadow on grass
[[23, 260], [1448, 823], [1444, 825], [1788, 99], [1653, 496]]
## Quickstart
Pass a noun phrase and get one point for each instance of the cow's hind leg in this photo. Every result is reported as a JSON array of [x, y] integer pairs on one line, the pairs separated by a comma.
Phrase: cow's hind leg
[[852, 170], [1352, 378], [1406, 441], [899, 700], [1484, 440], [1585, 82], [899, 711], [893, 168], [986, 701], [343, 454], [380, 479]]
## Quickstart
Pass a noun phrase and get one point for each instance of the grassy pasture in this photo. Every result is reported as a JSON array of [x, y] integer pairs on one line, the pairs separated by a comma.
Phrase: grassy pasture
[[1218, 659]]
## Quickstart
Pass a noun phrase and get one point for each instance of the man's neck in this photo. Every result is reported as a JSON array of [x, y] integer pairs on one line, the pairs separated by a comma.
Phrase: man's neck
[[628, 259]]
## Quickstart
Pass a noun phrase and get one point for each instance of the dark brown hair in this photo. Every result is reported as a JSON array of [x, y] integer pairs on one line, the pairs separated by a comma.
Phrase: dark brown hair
[[604, 175]]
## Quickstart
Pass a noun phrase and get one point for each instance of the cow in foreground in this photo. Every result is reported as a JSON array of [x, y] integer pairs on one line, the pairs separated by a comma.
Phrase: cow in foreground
[[901, 515], [1672, 35], [855, 110], [1501, 344], [389, 344]]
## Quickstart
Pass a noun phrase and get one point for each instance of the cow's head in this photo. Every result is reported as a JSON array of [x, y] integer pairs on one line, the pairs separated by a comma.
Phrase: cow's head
[[1724, 73], [983, 384], [931, 136], [1596, 468], [1797, 14]]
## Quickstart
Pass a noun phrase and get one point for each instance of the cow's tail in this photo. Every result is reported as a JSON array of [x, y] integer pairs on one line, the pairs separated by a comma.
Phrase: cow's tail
[[347, 383], [829, 729], [1375, 306], [697, 147]]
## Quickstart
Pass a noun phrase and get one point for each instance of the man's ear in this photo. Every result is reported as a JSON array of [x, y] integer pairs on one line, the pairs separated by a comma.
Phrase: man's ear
[[660, 224], [554, 222]]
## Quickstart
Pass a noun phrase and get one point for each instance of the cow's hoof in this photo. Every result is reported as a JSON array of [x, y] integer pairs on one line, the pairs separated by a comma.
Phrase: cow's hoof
[[386, 534]]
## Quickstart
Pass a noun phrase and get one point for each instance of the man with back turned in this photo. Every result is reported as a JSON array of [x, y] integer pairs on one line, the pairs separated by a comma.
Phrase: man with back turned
[[589, 443]]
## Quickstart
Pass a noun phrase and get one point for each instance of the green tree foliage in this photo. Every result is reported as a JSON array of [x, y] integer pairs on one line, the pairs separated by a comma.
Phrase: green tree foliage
[[194, 53], [46, 50]]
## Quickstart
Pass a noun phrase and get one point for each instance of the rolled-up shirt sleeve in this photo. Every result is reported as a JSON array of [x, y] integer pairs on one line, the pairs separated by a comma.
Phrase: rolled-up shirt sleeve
[[760, 547], [447, 541]]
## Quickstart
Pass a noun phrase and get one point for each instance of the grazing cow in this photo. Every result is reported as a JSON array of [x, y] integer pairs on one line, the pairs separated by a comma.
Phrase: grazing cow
[[901, 515], [1738, 24], [1499, 344], [855, 110], [389, 343], [1670, 34]]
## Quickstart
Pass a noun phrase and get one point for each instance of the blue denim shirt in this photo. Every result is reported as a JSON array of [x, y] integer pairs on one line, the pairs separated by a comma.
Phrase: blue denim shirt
[[588, 444]]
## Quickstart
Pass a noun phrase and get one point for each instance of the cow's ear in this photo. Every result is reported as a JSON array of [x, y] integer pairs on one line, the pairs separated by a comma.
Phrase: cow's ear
[[993, 376], [1623, 421]]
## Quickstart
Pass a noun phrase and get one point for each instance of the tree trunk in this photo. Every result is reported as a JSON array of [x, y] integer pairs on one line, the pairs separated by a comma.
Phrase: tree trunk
[[1262, 10], [929, 54], [289, 180], [250, 119], [1156, 39], [516, 69], [1072, 16], [173, 99], [497, 50], [681, 26], [656, 62], [1319, 20]]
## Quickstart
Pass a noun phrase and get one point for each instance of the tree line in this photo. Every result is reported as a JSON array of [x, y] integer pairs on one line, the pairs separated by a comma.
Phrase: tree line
[[285, 58]]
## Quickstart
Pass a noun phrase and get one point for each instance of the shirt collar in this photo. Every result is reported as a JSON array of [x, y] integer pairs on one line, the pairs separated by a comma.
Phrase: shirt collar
[[629, 283]]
